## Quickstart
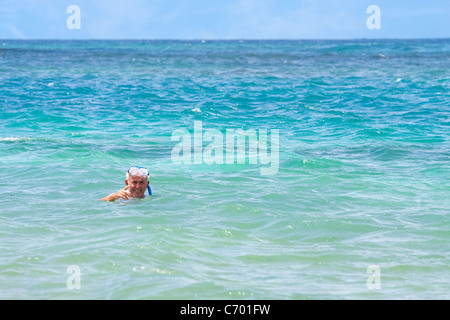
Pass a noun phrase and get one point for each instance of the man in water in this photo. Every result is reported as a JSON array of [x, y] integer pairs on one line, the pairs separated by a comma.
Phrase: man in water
[[136, 183]]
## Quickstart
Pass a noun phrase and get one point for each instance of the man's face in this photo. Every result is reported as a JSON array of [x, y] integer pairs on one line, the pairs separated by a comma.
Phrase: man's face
[[137, 186]]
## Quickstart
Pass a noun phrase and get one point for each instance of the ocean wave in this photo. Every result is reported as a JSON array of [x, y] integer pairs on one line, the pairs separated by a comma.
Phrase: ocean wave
[[16, 139]]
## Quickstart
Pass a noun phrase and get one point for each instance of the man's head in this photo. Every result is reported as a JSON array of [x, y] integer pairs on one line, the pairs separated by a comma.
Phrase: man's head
[[137, 181]]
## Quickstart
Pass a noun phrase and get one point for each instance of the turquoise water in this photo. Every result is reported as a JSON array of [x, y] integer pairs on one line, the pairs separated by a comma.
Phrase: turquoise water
[[362, 182]]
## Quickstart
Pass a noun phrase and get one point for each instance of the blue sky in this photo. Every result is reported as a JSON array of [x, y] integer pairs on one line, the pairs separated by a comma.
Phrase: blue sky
[[223, 19]]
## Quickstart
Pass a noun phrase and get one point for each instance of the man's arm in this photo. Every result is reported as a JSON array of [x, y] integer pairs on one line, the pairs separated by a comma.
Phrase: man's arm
[[121, 194]]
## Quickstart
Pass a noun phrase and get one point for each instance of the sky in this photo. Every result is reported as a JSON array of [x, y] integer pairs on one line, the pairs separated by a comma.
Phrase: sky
[[223, 19]]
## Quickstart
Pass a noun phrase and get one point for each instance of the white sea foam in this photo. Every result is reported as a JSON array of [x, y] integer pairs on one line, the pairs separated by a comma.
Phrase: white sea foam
[[16, 139]]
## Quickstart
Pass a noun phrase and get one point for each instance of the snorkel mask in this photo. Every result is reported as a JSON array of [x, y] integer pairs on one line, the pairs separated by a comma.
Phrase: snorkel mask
[[141, 172]]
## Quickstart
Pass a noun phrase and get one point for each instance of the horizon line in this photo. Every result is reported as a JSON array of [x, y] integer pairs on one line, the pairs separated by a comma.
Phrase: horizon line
[[218, 39]]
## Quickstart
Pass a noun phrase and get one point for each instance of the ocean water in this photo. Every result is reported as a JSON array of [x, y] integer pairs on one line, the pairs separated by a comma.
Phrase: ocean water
[[357, 206]]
